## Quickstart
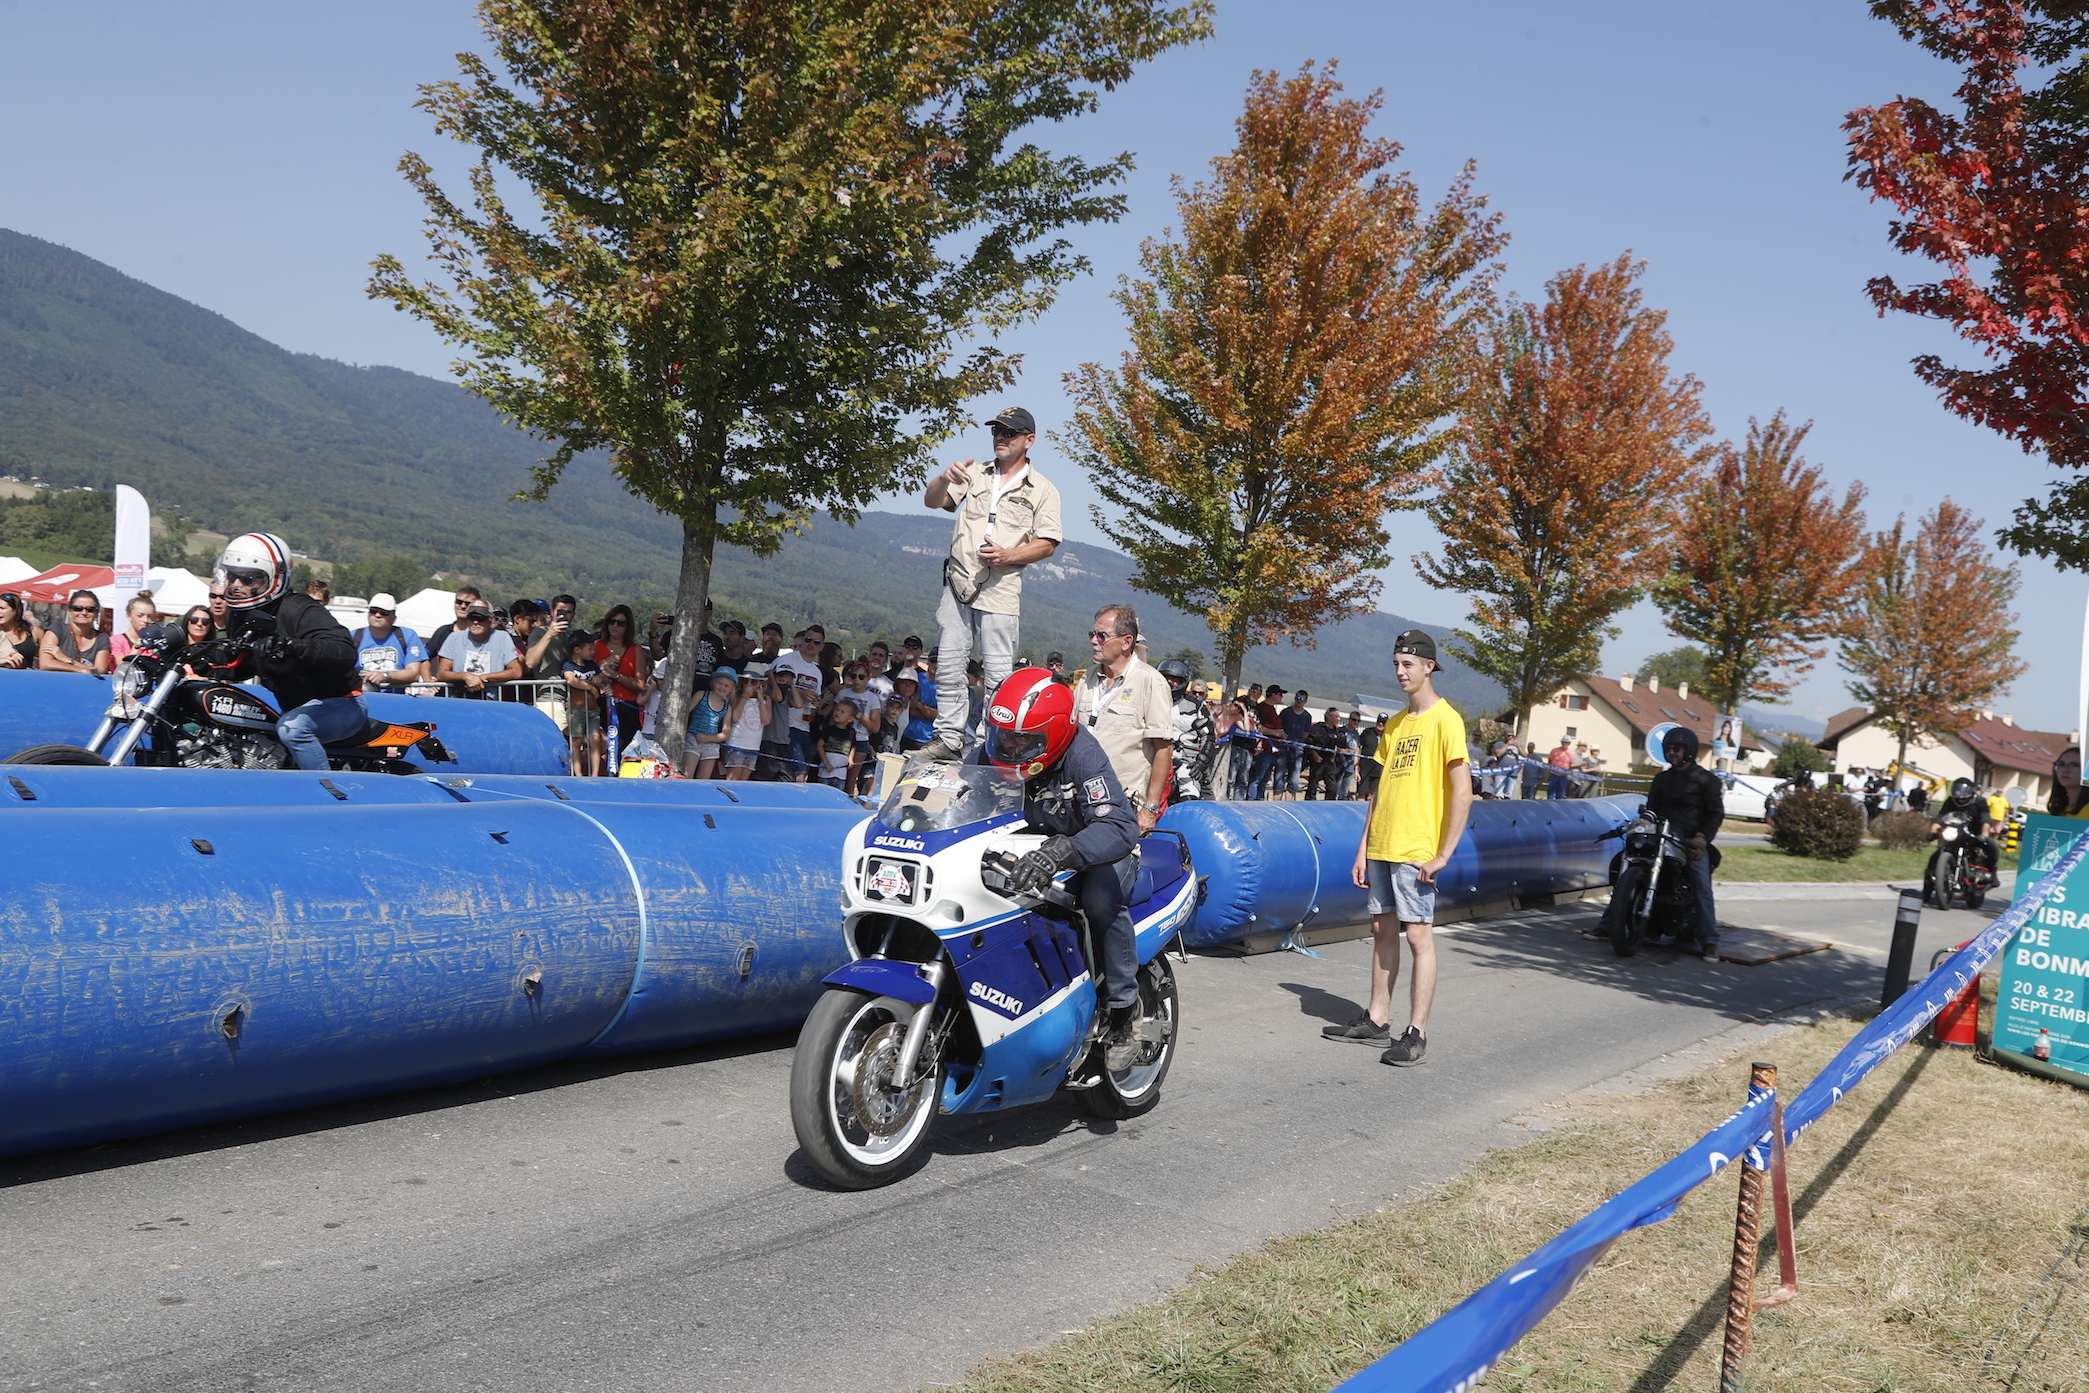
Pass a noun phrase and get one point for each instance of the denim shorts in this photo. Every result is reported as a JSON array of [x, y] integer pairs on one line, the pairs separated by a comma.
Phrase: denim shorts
[[1397, 888]]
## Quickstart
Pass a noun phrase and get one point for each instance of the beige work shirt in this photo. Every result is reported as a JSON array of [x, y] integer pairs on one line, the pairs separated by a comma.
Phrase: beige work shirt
[[1128, 716], [1027, 511]]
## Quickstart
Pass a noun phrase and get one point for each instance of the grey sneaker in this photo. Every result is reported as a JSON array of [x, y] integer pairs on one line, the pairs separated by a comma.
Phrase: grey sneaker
[[1121, 1045], [1709, 952], [943, 750], [1408, 1049], [1361, 1031]]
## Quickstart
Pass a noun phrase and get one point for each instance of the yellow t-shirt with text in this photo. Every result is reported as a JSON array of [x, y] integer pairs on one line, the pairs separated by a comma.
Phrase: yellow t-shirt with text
[[1414, 797]]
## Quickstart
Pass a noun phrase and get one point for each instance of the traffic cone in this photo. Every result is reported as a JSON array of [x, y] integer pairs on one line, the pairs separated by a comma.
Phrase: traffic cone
[[1955, 1024]]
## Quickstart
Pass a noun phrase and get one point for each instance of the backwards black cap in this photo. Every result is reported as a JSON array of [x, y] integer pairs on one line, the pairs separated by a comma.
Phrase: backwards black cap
[[1418, 643]]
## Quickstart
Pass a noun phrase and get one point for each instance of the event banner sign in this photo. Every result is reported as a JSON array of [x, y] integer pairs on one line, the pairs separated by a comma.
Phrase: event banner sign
[[2044, 985]]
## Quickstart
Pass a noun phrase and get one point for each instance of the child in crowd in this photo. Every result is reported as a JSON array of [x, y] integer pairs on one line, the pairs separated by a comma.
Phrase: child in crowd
[[743, 734], [837, 743], [707, 717], [584, 709]]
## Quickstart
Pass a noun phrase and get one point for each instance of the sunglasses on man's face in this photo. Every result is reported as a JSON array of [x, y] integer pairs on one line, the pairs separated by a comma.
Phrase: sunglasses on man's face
[[1098, 636], [1004, 433], [86, 609]]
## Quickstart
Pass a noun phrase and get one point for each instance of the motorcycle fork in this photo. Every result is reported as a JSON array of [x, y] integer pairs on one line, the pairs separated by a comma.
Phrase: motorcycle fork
[[917, 1029], [1646, 899], [148, 712]]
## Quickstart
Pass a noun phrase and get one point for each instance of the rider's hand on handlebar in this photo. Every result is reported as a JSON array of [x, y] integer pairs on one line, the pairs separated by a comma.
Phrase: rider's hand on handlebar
[[1034, 872]]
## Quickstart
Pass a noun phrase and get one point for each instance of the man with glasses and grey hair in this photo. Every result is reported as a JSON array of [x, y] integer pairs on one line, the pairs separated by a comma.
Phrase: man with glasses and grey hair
[[1007, 518], [1127, 707]]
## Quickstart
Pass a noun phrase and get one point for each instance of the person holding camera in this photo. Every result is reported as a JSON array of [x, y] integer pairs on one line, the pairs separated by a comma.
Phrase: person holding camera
[[1007, 518]]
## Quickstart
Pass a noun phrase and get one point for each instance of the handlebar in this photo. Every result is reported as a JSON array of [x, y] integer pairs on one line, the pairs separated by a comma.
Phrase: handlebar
[[1003, 863]]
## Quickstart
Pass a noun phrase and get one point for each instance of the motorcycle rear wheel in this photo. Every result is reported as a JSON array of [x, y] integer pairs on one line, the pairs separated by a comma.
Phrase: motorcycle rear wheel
[[858, 1131], [1129, 1092], [57, 754]]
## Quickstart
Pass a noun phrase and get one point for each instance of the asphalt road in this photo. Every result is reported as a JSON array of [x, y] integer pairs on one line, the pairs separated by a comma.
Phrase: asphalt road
[[646, 1224]]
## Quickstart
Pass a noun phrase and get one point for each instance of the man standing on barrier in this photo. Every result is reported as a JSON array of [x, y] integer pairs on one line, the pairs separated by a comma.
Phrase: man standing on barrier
[[1691, 800], [1416, 816], [1007, 518]]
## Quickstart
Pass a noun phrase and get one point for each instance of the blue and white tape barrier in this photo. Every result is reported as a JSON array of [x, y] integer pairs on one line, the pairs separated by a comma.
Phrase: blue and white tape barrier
[[1453, 1353]]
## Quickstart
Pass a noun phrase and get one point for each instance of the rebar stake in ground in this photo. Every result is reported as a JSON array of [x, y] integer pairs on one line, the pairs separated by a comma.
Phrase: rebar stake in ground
[[1740, 1291]]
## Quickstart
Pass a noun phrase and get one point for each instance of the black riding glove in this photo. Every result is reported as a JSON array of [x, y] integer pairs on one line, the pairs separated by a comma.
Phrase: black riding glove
[[1035, 871], [276, 647]]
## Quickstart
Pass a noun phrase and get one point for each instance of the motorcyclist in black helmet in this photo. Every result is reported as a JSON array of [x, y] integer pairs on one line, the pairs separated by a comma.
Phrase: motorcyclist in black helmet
[[1692, 801], [1963, 797], [1193, 740], [306, 656]]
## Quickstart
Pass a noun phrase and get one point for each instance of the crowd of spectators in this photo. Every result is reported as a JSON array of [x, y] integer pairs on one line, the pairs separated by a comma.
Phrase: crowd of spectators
[[790, 707]]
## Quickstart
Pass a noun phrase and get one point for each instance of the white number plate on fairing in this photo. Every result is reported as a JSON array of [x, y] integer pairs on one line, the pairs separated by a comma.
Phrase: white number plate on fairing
[[891, 880]]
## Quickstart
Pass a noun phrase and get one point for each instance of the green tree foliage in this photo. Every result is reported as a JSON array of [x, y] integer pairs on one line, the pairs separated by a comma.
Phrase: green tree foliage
[[1818, 824], [78, 523], [768, 236], [1193, 658], [397, 576], [1675, 667], [1798, 755], [1292, 356]]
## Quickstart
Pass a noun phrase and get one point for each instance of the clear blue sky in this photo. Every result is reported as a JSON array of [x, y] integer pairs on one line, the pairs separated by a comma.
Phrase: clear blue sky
[[242, 155]]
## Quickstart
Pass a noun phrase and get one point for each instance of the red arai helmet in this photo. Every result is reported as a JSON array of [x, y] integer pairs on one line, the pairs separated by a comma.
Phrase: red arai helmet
[[1030, 722]]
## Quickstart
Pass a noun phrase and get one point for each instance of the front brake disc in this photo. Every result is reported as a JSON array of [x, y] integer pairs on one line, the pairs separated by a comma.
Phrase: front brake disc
[[883, 1110]]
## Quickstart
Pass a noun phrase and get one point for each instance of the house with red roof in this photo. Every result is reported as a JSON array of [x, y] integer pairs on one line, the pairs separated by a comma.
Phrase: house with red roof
[[1993, 751]]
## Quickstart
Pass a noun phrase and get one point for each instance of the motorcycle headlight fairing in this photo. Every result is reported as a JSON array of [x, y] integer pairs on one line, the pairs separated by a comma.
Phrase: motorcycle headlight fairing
[[1951, 834]]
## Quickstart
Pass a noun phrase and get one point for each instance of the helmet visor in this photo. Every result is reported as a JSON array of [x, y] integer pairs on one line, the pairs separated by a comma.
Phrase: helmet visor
[[1014, 747]]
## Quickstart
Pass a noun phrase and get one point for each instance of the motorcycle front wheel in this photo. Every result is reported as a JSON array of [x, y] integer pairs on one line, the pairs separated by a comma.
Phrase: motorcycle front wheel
[[56, 754], [859, 1131], [1133, 1090]]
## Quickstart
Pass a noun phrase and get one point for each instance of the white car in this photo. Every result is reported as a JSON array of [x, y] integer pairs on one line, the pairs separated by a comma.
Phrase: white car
[[1747, 795]]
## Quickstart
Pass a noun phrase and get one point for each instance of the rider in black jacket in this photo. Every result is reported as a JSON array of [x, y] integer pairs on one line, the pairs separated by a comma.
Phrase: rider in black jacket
[[306, 657], [1692, 801], [1071, 793]]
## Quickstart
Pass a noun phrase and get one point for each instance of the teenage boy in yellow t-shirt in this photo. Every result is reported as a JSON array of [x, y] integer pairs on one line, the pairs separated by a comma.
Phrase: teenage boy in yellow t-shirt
[[1415, 818]]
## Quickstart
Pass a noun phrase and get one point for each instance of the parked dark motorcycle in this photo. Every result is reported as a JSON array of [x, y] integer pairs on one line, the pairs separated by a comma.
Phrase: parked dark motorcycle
[[1961, 867], [1663, 903], [186, 697]]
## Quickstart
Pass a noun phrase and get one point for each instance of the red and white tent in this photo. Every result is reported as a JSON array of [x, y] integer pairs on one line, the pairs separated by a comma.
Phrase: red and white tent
[[56, 585]]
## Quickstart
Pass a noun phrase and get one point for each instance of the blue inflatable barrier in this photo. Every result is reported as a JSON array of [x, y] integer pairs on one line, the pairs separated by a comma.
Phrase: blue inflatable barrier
[[252, 940], [222, 962], [487, 737], [1275, 868], [48, 786]]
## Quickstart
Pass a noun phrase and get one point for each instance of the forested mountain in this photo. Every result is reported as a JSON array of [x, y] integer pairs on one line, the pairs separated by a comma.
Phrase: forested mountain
[[106, 380]]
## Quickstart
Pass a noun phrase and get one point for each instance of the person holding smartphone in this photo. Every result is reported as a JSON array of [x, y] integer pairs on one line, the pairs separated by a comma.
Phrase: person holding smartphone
[[1007, 518]]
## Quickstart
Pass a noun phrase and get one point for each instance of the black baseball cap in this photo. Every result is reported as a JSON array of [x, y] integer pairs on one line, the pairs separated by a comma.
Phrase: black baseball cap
[[1015, 418], [772, 624], [1418, 643]]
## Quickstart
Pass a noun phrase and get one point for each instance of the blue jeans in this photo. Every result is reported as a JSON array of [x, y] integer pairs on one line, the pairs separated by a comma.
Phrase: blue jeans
[[1105, 893], [806, 750], [1265, 765], [305, 730]]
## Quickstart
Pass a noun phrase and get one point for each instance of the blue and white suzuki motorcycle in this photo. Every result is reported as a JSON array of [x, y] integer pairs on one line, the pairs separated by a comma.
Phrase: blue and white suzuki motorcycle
[[965, 997]]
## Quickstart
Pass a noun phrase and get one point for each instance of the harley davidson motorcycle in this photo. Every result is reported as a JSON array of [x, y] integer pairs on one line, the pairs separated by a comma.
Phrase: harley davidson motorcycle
[[1958, 868], [964, 996], [186, 697]]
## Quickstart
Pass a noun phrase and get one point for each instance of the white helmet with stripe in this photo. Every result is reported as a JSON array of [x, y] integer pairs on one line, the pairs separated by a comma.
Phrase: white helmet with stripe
[[253, 571]]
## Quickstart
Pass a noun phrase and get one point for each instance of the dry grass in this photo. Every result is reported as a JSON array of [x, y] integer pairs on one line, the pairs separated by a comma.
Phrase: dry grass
[[1933, 1206]]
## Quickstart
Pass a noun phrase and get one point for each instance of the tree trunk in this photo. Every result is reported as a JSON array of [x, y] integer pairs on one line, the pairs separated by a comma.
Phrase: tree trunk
[[692, 588]]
